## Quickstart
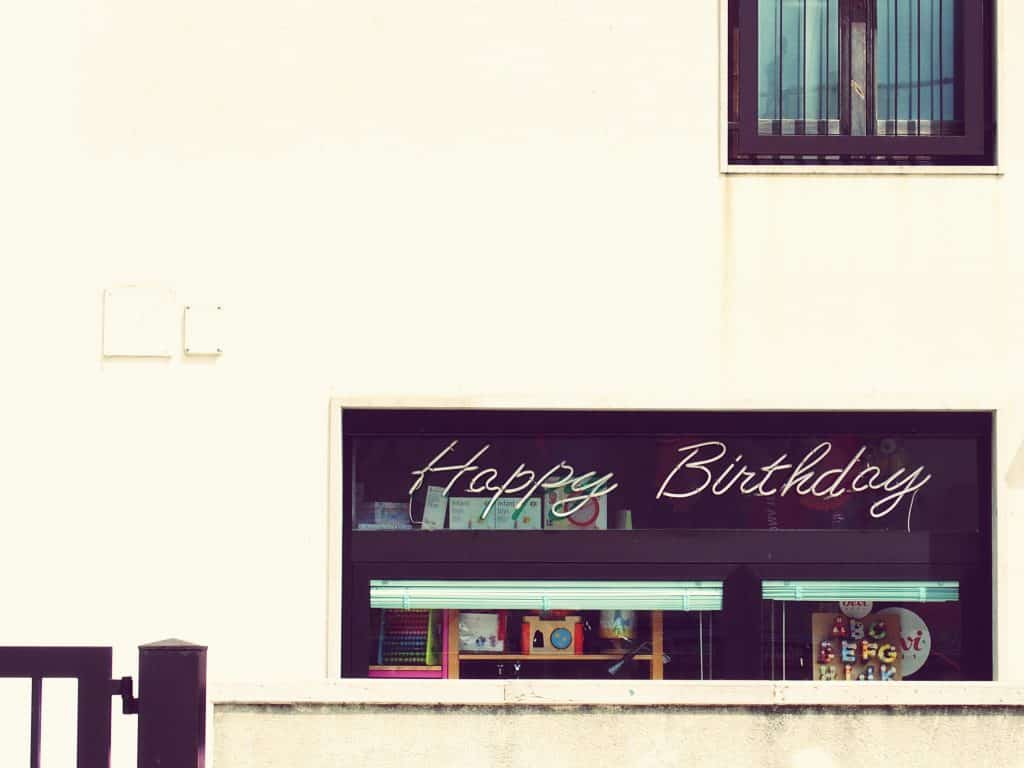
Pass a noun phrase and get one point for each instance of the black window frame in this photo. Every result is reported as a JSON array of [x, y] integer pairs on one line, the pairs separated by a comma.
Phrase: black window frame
[[977, 145], [742, 559]]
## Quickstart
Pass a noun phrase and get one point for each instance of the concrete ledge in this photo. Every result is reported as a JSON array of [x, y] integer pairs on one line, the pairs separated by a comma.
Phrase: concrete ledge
[[328, 735], [635, 693]]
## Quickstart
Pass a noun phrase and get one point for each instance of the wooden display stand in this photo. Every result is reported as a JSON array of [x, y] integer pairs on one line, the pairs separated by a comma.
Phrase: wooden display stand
[[454, 655], [543, 630]]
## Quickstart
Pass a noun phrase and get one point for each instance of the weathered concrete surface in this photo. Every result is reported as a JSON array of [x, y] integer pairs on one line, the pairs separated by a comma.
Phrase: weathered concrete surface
[[318, 736]]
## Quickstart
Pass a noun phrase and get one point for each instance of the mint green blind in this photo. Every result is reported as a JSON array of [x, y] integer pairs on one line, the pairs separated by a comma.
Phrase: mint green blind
[[548, 595], [877, 591]]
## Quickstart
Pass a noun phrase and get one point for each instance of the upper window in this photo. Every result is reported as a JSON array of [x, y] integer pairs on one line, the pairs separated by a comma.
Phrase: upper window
[[861, 82]]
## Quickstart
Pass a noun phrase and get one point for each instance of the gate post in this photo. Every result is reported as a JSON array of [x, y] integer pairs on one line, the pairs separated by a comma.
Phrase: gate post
[[172, 705]]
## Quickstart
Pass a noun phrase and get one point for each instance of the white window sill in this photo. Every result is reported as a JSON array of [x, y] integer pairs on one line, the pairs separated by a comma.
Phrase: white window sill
[[643, 693], [862, 170]]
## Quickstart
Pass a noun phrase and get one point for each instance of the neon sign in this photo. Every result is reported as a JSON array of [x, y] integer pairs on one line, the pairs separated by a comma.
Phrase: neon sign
[[703, 467], [581, 488], [694, 474]]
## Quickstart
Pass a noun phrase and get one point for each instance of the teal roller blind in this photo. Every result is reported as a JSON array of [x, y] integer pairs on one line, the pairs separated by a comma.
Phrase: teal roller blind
[[548, 595], [878, 591]]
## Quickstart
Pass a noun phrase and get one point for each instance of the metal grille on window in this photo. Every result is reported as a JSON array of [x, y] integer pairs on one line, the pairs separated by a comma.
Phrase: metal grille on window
[[799, 63], [898, 57], [917, 68]]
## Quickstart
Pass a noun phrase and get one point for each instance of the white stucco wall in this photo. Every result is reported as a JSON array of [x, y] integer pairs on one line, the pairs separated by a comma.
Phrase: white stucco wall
[[407, 199]]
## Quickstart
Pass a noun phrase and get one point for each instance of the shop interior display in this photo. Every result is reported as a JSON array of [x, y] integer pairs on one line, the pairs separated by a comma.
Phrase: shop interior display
[[697, 545], [512, 644]]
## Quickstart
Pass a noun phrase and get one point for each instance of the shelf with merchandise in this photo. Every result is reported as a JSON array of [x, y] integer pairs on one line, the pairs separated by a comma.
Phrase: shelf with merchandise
[[457, 656]]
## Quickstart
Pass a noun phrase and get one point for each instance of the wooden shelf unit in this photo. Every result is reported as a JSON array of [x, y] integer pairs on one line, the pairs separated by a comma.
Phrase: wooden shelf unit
[[655, 657]]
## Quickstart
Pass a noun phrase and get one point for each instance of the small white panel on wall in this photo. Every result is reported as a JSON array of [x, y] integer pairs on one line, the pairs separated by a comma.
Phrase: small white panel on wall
[[1015, 476], [204, 327], [138, 321]]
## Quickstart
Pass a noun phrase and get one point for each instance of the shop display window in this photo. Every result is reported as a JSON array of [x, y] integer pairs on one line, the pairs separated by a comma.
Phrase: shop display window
[[867, 631], [543, 629], [503, 544]]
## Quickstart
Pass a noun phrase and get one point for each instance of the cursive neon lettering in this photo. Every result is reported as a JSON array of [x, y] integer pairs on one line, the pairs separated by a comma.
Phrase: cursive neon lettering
[[803, 475], [696, 472], [475, 485], [834, 490], [583, 488], [717, 488], [461, 469], [688, 463], [856, 485], [769, 470], [593, 490], [693, 474]]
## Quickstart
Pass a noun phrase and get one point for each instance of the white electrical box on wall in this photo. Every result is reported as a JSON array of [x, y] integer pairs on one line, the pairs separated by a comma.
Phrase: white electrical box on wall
[[138, 321], [204, 327]]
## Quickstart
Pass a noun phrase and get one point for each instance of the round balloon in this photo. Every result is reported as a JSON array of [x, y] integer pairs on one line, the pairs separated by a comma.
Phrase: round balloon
[[915, 639]]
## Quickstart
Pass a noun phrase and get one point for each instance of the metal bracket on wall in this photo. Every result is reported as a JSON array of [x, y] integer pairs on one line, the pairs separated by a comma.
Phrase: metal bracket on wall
[[123, 688]]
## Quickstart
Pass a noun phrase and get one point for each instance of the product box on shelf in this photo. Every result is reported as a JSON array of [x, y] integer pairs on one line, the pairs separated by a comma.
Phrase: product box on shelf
[[482, 632], [542, 636], [507, 517], [435, 507], [464, 513], [383, 515], [593, 515]]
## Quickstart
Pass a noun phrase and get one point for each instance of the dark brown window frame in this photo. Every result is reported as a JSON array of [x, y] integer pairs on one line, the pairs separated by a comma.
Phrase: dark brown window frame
[[975, 147], [741, 558]]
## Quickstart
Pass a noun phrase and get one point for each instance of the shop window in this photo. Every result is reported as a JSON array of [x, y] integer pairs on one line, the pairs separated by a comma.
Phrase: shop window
[[861, 81], [649, 545], [537, 629], [853, 630]]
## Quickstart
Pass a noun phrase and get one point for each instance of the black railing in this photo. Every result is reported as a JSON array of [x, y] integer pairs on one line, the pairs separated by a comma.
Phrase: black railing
[[171, 704]]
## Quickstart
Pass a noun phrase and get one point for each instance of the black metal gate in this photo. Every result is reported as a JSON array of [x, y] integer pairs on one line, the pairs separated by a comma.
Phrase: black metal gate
[[171, 707]]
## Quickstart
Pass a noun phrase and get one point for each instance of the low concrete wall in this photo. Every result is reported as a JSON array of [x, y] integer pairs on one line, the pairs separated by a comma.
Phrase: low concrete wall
[[470, 736]]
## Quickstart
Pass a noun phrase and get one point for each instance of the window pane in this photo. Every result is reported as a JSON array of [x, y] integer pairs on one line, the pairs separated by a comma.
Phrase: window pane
[[798, 64], [918, 68], [870, 70], [871, 631], [561, 484], [590, 641], [406, 643]]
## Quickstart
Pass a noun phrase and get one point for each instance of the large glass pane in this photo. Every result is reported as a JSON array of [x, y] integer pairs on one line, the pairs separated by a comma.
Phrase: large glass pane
[[798, 66], [918, 68], [498, 629], [559, 483], [406, 643], [869, 631]]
